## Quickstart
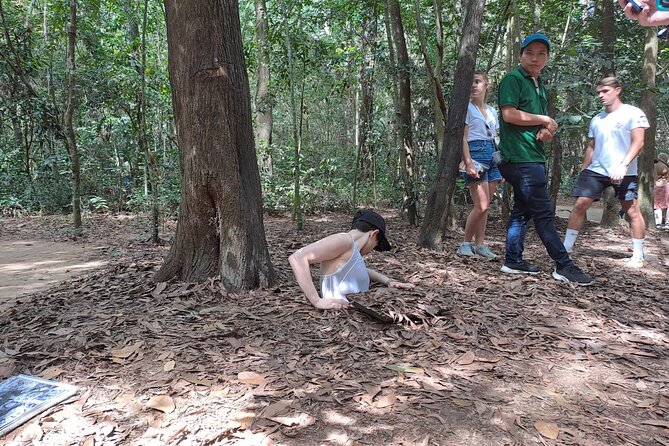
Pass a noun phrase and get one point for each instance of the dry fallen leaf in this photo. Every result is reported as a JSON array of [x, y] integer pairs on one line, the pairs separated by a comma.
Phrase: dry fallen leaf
[[276, 408], [128, 350], [162, 403], [385, 401], [467, 358], [548, 430], [160, 287], [251, 378], [169, 366]]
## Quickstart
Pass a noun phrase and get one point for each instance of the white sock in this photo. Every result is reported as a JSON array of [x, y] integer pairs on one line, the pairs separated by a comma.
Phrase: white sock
[[570, 239], [658, 216], [637, 248]]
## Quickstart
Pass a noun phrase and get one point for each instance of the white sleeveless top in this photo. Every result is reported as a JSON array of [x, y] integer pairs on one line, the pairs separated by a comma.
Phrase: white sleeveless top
[[352, 277]]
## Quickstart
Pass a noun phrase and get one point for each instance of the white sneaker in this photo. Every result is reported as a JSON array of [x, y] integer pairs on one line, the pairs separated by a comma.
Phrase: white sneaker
[[465, 249], [484, 251], [635, 262]]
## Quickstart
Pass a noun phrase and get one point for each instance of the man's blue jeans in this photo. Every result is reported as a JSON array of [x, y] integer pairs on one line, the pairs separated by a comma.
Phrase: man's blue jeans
[[531, 201]]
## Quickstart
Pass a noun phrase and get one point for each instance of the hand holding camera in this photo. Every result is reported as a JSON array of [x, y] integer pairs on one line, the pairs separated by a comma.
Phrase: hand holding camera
[[647, 12]]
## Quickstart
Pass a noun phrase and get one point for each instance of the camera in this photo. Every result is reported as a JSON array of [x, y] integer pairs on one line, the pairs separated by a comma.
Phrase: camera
[[662, 5]]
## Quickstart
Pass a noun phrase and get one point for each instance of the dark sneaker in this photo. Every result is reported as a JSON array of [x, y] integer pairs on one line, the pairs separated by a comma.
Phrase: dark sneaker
[[572, 273], [519, 268]]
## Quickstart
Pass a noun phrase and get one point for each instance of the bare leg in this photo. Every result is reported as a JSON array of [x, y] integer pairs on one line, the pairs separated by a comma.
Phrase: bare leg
[[578, 213], [636, 221], [479, 214]]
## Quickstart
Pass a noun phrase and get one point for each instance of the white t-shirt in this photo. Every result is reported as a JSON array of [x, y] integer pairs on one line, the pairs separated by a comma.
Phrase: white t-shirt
[[612, 134], [478, 130]]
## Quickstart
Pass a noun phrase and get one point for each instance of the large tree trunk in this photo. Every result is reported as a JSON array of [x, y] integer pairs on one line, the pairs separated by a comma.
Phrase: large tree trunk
[[220, 229], [649, 106], [263, 97], [404, 112], [439, 198], [68, 117]]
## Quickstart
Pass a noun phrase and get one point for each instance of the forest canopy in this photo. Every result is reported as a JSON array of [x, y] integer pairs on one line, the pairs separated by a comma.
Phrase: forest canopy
[[331, 92]]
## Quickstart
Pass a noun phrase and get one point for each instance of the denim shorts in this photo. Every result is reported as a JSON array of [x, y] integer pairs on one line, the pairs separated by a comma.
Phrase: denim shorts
[[481, 151], [591, 185]]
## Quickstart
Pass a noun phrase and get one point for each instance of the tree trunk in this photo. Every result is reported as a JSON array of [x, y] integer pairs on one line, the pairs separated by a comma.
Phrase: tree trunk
[[608, 39], [137, 112], [512, 51], [556, 153], [648, 104], [298, 217], [404, 112], [68, 117], [610, 217], [439, 198], [365, 109], [263, 97], [220, 229], [434, 73]]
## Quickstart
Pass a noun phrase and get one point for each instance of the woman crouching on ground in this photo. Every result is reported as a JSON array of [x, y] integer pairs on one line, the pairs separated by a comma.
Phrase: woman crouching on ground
[[343, 269]]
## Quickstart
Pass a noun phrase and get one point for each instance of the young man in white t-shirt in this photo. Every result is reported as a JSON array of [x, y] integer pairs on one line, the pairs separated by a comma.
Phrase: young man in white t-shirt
[[616, 138]]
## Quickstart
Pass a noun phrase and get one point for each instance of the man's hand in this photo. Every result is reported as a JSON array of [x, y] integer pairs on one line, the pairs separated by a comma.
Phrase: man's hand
[[544, 135], [550, 125], [618, 174], [332, 303]]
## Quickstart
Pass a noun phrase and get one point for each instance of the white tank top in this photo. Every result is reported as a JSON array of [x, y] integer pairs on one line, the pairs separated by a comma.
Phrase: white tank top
[[352, 277]]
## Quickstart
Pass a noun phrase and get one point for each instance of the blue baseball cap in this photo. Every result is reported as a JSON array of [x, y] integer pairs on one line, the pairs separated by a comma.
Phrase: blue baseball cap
[[536, 37]]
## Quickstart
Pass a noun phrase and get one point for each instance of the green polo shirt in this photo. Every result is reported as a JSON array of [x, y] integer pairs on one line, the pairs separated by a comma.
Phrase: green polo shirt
[[519, 143]]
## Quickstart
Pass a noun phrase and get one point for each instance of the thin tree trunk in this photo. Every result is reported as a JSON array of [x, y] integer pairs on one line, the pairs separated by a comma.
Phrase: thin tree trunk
[[434, 73], [68, 117], [441, 192], [648, 104], [556, 154], [298, 218], [404, 112], [263, 97], [220, 229], [610, 217]]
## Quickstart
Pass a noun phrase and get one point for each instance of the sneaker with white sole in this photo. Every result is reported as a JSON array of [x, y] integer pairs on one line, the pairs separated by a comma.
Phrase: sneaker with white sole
[[484, 251], [465, 249], [572, 273], [521, 267], [635, 262]]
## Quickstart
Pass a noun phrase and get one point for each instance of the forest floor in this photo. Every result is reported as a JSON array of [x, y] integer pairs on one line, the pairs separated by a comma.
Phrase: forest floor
[[474, 357]]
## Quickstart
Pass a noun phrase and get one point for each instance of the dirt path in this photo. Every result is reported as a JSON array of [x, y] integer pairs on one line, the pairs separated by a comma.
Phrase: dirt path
[[38, 253], [28, 266]]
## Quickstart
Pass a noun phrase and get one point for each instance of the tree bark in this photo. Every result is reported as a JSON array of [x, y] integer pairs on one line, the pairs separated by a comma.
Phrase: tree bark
[[404, 112], [648, 104], [263, 97], [68, 117], [556, 153], [610, 217], [434, 73], [439, 198], [220, 229]]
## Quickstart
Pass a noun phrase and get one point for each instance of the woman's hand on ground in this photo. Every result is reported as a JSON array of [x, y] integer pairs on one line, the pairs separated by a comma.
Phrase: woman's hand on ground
[[401, 285], [332, 304]]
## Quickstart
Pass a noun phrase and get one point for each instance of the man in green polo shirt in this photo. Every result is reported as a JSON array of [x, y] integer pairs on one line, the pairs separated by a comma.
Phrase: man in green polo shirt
[[524, 128]]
